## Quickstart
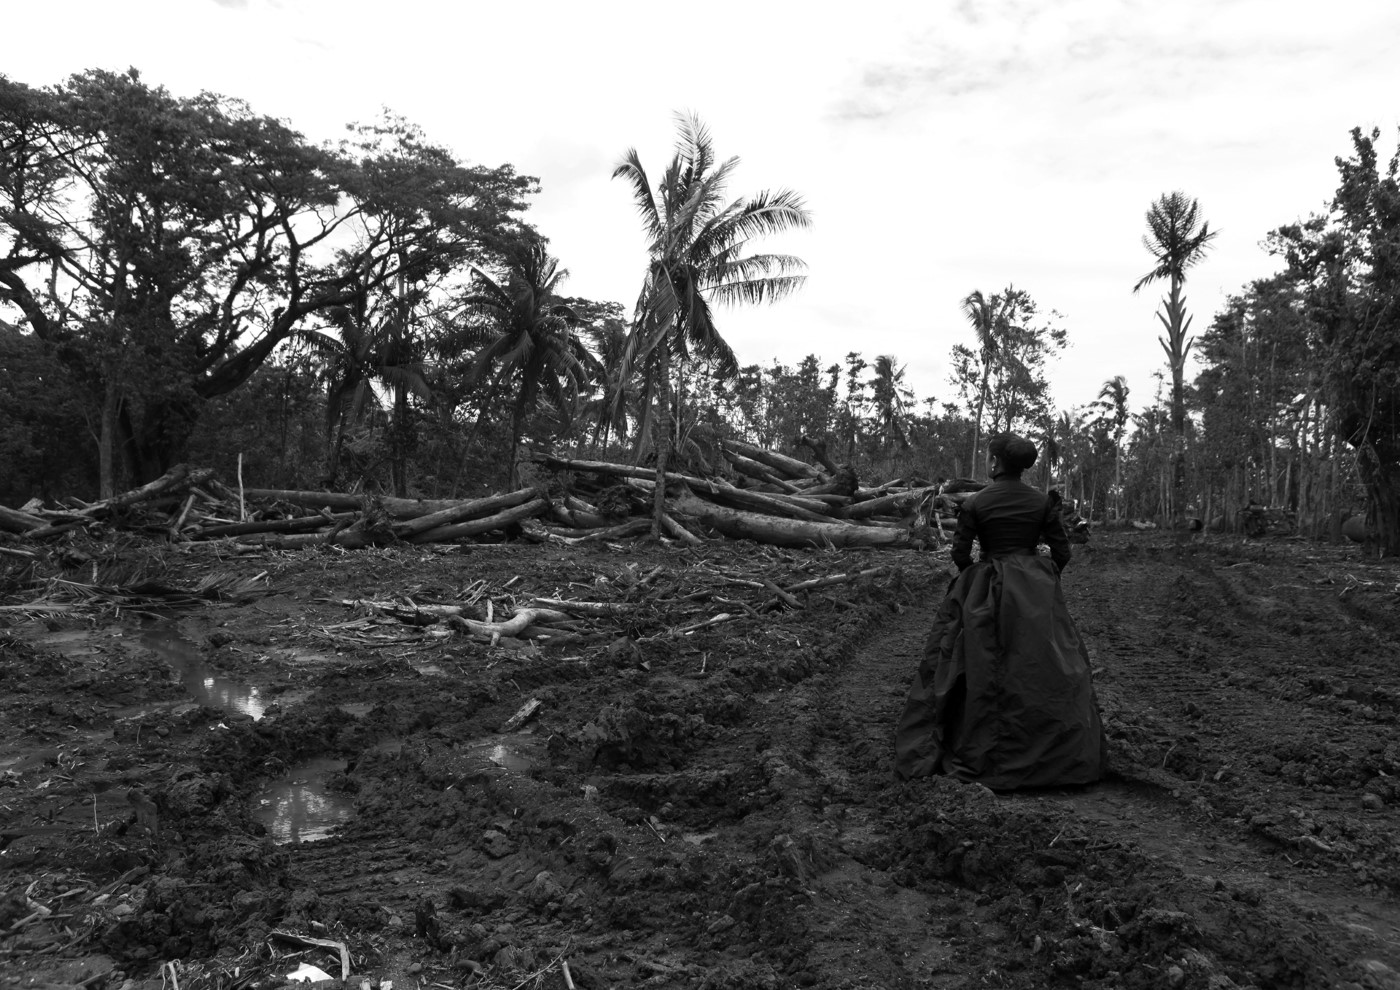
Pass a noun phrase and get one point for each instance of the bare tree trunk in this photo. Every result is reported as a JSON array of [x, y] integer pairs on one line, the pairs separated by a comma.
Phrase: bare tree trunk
[[663, 439], [977, 425], [107, 441], [1176, 347]]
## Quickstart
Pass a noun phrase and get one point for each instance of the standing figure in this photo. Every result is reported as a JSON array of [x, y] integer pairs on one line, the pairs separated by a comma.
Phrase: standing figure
[[1004, 696]]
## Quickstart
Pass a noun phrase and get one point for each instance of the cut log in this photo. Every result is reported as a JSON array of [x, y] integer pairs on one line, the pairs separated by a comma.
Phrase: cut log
[[787, 532], [356, 538], [176, 478], [788, 466], [578, 518], [19, 522], [595, 467], [759, 472], [294, 525], [397, 508], [475, 527], [898, 502], [772, 504], [462, 511], [679, 532], [632, 527]]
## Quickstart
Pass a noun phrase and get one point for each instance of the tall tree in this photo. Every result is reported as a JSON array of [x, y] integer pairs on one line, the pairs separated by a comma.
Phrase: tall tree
[[1005, 374], [891, 398], [1177, 238], [170, 245], [1348, 267], [530, 346], [362, 349], [1113, 398], [990, 319], [696, 243]]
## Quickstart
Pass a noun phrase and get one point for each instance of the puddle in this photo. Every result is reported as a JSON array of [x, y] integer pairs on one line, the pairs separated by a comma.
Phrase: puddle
[[514, 752], [297, 808], [204, 686], [76, 643]]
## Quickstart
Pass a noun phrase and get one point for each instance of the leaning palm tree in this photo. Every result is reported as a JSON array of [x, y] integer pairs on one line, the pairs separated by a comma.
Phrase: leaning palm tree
[[1177, 238], [1114, 397], [530, 341], [696, 245]]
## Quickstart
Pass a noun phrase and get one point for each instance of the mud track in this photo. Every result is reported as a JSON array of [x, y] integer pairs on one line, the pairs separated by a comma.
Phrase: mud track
[[709, 810]]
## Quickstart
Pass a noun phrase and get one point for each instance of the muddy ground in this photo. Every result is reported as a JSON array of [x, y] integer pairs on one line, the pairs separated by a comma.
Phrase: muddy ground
[[709, 807]]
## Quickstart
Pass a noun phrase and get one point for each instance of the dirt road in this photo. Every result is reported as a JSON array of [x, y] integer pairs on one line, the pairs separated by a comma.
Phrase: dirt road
[[692, 805]]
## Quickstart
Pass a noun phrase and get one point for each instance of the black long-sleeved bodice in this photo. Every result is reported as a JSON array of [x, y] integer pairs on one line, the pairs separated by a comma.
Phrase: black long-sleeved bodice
[[1007, 517]]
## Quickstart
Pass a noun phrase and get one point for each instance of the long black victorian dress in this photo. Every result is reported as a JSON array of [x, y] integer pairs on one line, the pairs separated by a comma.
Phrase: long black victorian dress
[[1003, 695]]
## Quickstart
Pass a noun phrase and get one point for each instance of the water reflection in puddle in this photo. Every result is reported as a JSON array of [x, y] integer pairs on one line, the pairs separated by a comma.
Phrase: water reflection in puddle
[[294, 808], [298, 808], [515, 752], [206, 687]]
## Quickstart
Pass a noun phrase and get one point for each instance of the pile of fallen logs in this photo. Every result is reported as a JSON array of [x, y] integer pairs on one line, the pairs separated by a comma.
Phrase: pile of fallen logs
[[35, 522], [773, 498], [766, 496]]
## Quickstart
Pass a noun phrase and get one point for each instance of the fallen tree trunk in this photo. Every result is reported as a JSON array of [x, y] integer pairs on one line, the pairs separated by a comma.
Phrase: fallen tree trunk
[[19, 522], [398, 508], [897, 502], [473, 509], [356, 538], [679, 532], [475, 527], [293, 525], [596, 467], [177, 477], [769, 503], [759, 472], [790, 466], [787, 532], [637, 526]]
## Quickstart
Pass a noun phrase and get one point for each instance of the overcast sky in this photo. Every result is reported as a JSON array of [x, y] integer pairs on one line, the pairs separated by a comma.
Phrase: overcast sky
[[941, 146]]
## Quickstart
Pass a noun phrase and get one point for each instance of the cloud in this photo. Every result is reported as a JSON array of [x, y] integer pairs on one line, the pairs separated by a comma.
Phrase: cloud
[[233, 4]]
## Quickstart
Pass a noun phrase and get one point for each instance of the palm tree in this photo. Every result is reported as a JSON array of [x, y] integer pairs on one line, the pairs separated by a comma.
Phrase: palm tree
[[529, 339], [1177, 238], [696, 245], [1114, 396], [889, 393], [991, 320], [368, 348], [616, 397]]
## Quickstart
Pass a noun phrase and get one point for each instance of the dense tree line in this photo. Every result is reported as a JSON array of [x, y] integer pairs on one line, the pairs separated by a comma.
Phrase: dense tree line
[[182, 279]]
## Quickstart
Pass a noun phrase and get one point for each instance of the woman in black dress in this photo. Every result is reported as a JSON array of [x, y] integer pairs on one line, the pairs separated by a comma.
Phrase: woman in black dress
[[1004, 695]]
